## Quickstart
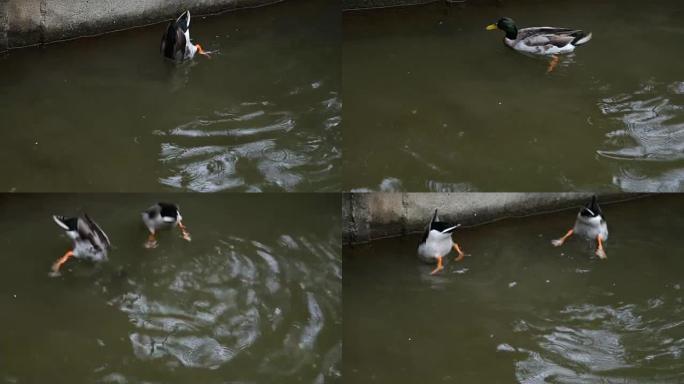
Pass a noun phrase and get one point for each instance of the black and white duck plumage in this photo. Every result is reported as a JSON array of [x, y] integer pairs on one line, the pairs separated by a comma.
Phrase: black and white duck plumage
[[89, 240], [541, 41], [437, 243], [162, 216], [176, 44], [590, 224]]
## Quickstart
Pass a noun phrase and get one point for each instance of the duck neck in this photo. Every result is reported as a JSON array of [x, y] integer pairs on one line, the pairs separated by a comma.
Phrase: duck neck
[[511, 32]]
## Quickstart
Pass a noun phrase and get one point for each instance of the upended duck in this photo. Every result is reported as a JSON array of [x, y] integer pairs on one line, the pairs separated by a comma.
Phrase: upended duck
[[543, 41], [176, 44], [163, 216], [89, 240], [591, 224], [437, 243]]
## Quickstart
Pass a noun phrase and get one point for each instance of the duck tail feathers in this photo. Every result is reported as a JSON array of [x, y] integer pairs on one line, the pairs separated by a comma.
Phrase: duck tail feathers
[[434, 217], [61, 221], [183, 21], [582, 39]]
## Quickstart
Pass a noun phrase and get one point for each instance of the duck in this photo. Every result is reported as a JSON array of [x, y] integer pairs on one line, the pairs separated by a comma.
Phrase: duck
[[590, 224], [437, 243], [162, 216], [176, 44], [543, 41], [90, 242]]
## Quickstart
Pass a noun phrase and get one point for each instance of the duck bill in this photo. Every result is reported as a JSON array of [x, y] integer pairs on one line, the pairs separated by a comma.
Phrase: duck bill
[[492, 27]]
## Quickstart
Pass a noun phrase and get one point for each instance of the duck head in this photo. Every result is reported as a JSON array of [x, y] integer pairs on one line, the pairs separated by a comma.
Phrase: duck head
[[507, 25]]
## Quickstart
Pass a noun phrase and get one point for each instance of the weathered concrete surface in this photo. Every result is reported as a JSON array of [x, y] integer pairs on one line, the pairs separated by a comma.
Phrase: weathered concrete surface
[[29, 22], [349, 5], [369, 216], [368, 4]]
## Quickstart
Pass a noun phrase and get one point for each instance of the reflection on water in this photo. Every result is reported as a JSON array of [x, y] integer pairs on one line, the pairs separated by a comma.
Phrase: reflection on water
[[520, 310], [652, 129]]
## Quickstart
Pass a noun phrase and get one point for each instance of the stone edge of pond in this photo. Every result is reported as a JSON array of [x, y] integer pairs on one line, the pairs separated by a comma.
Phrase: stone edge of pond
[[373, 216], [357, 5], [26, 23]]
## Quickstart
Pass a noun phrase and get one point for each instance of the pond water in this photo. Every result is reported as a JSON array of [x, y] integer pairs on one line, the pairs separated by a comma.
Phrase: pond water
[[243, 302], [518, 309], [434, 102], [110, 114]]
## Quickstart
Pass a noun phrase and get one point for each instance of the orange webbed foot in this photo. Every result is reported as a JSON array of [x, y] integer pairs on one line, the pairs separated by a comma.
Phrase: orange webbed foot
[[559, 242], [553, 64], [440, 266], [54, 271], [202, 52], [151, 242], [184, 232], [599, 250], [461, 255]]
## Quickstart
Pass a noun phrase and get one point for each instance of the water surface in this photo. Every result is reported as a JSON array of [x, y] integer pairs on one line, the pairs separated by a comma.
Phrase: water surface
[[109, 114], [254, 298], [518, 309], [436, 103]]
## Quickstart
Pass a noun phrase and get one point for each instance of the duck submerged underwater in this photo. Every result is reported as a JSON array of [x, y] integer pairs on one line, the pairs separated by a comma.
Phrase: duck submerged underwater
[[162, 216], [176, 44], [91, 243], [542, 41], [591, 224], [437, 243], [89, 240]]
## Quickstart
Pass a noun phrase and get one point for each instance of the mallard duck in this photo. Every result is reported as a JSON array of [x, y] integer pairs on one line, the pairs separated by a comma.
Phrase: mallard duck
[[547, 41], [591, 224], [90, 241], [163, 216], [175, 43], [437, 243]]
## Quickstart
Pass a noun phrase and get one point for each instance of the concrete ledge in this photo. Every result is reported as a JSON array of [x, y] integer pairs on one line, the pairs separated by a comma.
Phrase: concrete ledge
[[349, 5], [30, 22], [352, 5], [4, 24], [370, 216]]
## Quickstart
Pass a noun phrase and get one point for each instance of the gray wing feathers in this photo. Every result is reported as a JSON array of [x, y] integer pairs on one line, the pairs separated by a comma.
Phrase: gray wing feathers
[[88, 229], [542, 36]]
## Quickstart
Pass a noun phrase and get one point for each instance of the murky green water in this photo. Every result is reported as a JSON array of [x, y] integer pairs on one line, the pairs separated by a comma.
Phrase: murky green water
[[109, 114], [520, 310], [433, 102], [255, 297]]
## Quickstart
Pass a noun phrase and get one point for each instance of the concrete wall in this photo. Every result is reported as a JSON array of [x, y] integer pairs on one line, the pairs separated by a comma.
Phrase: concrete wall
[[366, 4], [370, 4], [369, 216], [29, 22]]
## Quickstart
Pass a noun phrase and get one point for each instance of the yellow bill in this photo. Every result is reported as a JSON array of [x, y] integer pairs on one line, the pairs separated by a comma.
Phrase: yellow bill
[[492, 27]]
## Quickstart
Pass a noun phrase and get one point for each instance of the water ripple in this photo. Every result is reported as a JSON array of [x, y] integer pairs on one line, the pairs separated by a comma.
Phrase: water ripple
[[207, 310], [652, 130], [255, 146], [602, 343]]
